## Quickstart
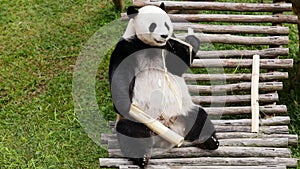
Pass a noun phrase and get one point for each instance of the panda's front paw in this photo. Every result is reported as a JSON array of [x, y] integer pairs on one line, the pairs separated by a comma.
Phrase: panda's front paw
[[141, 162], [211, 143], [194, 41]]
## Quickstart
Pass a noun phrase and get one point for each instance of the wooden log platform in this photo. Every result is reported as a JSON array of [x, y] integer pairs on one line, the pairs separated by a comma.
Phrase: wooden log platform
[[220, 81]]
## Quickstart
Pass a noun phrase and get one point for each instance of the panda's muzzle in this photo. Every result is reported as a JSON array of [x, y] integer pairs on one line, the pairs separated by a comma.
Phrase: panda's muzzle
[[162, 39], [164, 36]]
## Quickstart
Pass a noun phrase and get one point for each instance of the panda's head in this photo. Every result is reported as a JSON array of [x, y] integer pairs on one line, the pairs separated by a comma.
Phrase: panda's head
[[150, 24]]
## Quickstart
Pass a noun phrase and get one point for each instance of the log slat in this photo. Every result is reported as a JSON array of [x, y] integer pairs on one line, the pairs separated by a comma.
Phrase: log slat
[[277, 120], [255, 142], [263, 98], [242, 63], [292, 138], [237, 39], [244, 86], [219, 6], [229, 18], [269, 109], [262, 129], [232, 29], [235, 77], [238, 142], [221, 152], [207, 161], [264, 53], [270, 121], [234, 18], [202, 167]]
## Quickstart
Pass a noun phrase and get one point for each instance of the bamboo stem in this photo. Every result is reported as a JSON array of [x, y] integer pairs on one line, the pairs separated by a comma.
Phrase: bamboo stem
[[255, 94]]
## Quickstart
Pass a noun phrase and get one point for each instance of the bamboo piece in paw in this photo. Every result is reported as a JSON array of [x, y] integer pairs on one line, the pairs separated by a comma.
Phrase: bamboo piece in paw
[[156, 126]]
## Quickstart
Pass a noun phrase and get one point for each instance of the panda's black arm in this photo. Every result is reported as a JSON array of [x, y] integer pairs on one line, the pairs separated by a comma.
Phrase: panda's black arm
[[195, 42], [179, 59], [121, 77]]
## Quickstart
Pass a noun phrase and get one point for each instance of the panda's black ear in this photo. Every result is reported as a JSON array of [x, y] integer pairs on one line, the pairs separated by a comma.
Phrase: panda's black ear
[[163, 6], [132, 12]]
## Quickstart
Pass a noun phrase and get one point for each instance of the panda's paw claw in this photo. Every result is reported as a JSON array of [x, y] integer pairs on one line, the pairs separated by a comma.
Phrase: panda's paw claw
[[141, 162], [211, 143]]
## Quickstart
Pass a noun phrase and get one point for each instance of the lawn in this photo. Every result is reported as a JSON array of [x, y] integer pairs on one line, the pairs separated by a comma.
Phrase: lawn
[[40, 42]]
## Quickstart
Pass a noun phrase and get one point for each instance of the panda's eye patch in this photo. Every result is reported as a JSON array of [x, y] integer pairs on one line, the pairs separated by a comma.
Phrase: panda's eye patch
[[167, 26], [152, 27]]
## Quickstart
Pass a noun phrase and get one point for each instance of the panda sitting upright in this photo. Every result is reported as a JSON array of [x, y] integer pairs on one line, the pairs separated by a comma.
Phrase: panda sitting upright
[[146, 70]]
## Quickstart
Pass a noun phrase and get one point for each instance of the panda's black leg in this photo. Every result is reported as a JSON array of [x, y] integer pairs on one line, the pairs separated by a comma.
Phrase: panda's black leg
[[135, 141], [200, 130]]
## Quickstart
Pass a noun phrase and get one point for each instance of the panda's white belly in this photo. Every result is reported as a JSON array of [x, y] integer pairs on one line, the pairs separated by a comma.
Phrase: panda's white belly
[[162, 99]]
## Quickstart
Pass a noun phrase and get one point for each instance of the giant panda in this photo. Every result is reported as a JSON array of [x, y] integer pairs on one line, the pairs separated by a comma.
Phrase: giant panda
[[146, 69]]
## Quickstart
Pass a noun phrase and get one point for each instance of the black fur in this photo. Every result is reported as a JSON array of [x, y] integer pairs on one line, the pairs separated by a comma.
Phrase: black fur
[[162, 6], [200, 130], [135, 141]]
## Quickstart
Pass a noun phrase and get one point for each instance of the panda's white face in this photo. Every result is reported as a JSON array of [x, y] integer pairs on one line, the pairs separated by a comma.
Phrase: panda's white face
[[153, 26]]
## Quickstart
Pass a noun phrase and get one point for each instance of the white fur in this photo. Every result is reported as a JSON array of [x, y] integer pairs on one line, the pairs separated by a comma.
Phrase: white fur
[[153, 94], [130, 30], [139, 25]]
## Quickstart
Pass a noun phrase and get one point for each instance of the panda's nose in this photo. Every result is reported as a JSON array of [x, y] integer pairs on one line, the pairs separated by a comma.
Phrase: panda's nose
[[164, 36]]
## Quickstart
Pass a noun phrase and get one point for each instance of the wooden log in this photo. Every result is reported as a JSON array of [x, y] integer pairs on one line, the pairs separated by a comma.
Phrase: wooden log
[[201, 167], [255, 142], [232, 29], [263, 129], [229, 18], [269, 109], [207, 161], [234, 18], [277, 120], [238, 142], [255, 94], [235, 77], [263, 98], [222, 151], [264, 53], [292, 138], [244, 86], [270, 121], [237, 39], [242, 63], [220, 6]]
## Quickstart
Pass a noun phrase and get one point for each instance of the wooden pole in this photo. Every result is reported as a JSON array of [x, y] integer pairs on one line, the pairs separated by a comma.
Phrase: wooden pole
[[255, 94], [218, 161]]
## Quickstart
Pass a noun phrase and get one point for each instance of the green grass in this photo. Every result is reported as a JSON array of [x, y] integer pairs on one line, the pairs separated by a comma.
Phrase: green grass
[[39, 44]]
